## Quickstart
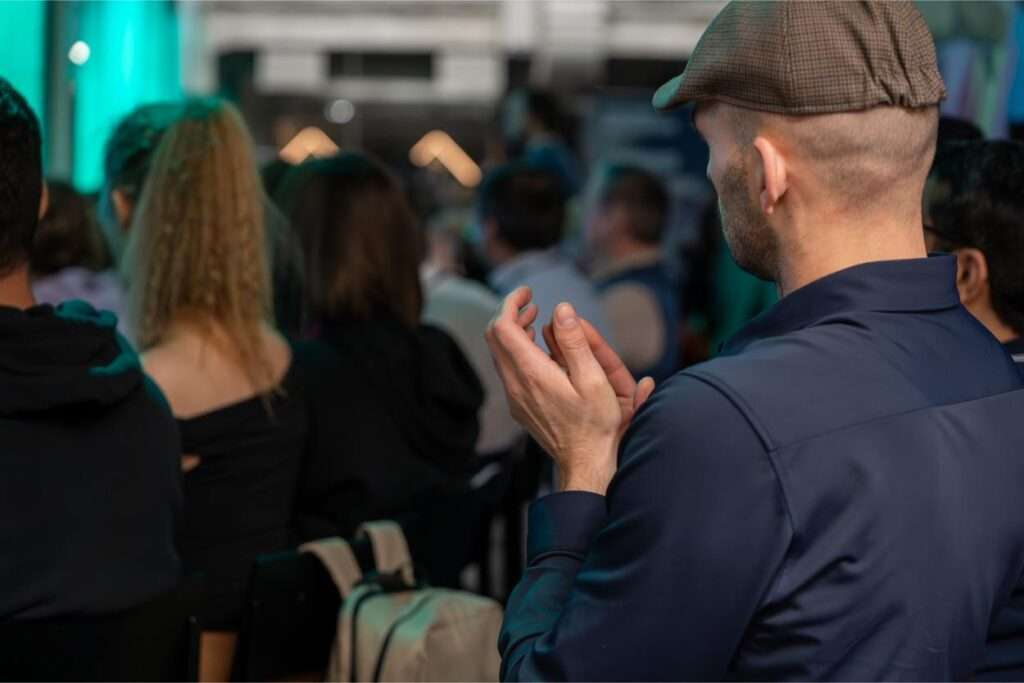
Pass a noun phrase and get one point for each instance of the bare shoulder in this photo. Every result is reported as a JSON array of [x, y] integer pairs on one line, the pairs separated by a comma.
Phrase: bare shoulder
[[169, 367], [196, 376]]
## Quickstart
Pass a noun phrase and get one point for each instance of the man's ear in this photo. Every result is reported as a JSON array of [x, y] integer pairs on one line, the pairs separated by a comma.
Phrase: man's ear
[[123, 208], [971, 275], [44, 200], [774, 181]]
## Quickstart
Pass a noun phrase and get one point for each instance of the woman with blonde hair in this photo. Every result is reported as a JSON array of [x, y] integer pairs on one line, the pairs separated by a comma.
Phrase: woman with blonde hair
[[200, 301]]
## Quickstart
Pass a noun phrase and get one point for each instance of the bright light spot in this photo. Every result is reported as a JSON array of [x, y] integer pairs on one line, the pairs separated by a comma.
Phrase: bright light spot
[[309, 142], [438, 145], [340, 111], [79, 53]]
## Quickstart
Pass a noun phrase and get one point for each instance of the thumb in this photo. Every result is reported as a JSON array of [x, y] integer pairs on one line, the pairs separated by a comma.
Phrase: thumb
[[583, 368], [644, 389]]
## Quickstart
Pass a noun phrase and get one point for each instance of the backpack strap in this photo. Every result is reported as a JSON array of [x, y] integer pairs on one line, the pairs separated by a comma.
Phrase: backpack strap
[[390, 550], [339, 560]]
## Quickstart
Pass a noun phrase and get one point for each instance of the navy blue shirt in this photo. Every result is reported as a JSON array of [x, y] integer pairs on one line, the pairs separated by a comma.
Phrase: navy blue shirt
[[837, 496], [1004, 653]]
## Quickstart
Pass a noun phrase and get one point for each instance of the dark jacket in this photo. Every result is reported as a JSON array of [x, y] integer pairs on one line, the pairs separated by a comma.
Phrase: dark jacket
[[1004, 652], [393, 423], [836, 497], [90, 471]]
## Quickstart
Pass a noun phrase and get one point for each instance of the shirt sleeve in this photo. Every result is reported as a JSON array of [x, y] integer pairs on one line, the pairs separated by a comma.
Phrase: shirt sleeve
[[660, 579]]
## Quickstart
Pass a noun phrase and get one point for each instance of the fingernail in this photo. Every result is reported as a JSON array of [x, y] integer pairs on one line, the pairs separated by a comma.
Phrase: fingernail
[[564, 315]]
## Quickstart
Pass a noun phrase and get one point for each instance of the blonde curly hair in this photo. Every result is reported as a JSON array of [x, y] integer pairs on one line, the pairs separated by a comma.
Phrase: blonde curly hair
[[197, 251]]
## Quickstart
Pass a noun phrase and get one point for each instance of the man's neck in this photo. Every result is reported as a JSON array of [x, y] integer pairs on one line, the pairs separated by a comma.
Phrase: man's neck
[[816, 253], [15, 290]]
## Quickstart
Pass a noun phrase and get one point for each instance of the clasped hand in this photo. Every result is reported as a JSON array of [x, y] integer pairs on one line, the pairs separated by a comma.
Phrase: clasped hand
[[576, 402]]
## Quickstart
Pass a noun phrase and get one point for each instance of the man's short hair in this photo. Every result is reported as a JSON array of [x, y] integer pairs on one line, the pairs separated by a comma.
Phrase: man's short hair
[[978, 202], [642, 196], [21, 177], [527, 205], [863, 157]]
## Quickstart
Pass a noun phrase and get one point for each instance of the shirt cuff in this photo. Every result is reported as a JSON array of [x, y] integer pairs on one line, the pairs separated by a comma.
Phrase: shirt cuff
[[564, 523]]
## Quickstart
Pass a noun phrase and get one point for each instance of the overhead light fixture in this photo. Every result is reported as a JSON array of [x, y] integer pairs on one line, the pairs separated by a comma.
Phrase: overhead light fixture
[[340, 111], [437, 145], [79, 53], [308, 142]]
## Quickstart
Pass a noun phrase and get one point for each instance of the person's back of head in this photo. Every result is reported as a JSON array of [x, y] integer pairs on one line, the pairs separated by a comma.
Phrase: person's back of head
[[127, 156], [360, 238], [197, 248], [21, 178], [827, 164], [67, 236], [632, 209], [975, 209], [522, 209]]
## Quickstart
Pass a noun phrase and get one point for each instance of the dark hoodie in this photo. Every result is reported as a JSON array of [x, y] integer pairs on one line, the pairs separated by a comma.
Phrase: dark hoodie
[[393, 424], [90, 481]]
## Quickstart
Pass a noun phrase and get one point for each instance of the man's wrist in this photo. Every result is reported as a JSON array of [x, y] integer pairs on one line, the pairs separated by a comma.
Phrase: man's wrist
[[589, 471]]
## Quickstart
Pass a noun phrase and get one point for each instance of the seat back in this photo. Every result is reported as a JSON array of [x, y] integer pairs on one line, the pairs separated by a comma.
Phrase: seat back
[[289, 619], [156, 641]]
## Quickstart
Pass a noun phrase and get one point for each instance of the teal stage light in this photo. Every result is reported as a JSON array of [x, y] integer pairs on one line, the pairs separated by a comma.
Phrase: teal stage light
[[131, 58], [23, 57]]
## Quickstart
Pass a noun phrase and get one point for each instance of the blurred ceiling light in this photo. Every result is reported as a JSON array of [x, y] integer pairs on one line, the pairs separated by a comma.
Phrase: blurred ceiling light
[[341, 111], [439, 146], [308, 142], [79, 52]]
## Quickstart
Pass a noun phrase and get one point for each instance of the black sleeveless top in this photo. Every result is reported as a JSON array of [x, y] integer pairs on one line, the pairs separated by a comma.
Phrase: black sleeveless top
[[238, 500]]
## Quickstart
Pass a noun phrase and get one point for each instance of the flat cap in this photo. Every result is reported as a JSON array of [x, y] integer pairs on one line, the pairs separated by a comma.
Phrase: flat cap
[[811, 57]]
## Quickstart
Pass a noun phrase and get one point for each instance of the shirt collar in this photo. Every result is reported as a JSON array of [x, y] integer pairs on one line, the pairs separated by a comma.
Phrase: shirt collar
[[923, 284]]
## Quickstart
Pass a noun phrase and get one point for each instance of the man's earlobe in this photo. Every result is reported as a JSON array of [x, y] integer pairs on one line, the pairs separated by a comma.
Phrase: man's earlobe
[[774, 181], [123, 208], [44, 200]]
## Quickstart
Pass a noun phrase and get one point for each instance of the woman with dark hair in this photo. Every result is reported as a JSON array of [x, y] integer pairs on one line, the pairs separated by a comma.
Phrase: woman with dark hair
[[69, 259], [395, 402]]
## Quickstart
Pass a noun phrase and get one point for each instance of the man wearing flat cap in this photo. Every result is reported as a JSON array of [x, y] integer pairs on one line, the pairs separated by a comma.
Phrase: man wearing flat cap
[[838, 494]]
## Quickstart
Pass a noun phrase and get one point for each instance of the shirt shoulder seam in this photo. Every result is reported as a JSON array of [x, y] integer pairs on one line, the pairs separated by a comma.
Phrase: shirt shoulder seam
[[762, 434]]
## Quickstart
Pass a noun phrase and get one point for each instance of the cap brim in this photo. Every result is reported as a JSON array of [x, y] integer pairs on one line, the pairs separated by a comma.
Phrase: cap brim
[[665, 97]]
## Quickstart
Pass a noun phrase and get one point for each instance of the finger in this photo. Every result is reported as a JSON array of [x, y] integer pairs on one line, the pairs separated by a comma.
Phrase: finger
[[644, 389], [515, 302], [527, 316], [501, 333], [618, 374], [549, 339], [584, 370], [532, 334]]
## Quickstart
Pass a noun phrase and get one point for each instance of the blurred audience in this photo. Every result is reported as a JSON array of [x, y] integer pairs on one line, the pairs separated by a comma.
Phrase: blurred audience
[[395, 402], [533, 126], [285, 256], [69, 257], [522, 211], [463, 308], [974, 209], [90, 492], [639, 295], [719, 297], [200, 299]]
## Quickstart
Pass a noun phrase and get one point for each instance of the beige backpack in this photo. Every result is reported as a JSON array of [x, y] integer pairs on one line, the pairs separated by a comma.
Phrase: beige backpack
[[390, 629]]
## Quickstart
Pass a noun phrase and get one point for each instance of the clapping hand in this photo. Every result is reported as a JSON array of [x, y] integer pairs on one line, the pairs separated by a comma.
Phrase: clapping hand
[[578, 401]]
